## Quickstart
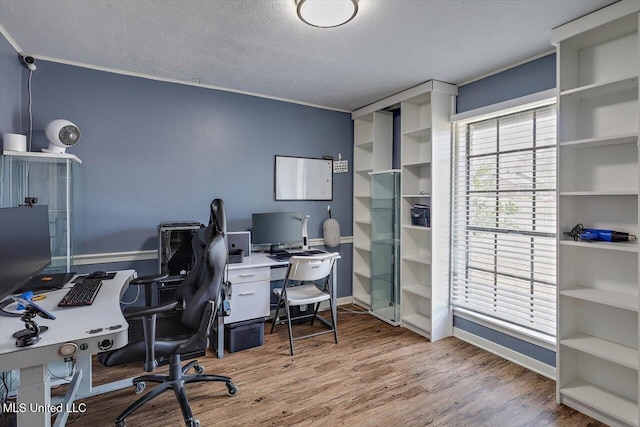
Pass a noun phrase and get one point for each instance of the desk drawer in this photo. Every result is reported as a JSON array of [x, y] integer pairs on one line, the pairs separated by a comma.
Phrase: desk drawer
[[249, 301], [244, 275]]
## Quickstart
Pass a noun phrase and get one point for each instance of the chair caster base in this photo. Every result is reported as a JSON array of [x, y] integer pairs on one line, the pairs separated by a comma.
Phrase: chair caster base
[[193, 423], [232, 389], [122, 423], [139, 387]]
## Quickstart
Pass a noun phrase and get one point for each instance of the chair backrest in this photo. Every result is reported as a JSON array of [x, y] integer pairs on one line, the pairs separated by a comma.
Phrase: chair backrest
[[210, 258], [310, 267]]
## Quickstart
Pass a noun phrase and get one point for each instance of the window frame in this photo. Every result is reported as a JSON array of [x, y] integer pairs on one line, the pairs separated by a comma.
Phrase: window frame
[[468, 119]]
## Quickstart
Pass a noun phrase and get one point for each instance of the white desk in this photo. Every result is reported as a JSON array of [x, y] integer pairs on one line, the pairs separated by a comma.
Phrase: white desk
[[88, 327], [251, 290]]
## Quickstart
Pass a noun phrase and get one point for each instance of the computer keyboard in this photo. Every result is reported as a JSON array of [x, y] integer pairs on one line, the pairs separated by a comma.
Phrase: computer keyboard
[[285, 255], [82, 293], [279, 256]]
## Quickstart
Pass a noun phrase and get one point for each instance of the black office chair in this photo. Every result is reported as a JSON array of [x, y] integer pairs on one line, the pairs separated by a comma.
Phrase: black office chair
[[197, 301]]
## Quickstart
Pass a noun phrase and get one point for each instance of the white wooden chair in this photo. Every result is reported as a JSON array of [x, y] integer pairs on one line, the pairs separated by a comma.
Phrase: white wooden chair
[[296, 291]]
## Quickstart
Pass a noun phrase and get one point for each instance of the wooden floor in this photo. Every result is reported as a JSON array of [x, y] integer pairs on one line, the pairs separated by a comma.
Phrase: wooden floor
[[378, 375]]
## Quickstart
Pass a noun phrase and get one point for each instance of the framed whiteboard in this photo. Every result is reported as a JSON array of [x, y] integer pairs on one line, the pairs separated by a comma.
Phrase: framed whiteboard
[[303, 178]]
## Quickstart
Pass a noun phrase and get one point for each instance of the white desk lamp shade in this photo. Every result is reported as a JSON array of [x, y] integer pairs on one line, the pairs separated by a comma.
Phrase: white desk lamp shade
[[61, 135], [14, 142]]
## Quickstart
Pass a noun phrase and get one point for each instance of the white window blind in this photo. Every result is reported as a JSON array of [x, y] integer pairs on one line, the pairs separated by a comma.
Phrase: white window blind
[[504, 218]]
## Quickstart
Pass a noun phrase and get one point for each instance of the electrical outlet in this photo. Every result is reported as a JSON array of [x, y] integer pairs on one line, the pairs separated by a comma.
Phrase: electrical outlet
[[340, 166]]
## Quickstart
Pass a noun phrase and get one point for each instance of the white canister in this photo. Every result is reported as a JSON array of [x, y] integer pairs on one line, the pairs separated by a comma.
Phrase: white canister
[[14, 142]]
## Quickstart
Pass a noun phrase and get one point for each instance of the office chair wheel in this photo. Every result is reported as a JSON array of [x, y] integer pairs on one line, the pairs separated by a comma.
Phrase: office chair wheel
[[198, 368], [140, 386], [122, 423], [232, 389], [193, 423]]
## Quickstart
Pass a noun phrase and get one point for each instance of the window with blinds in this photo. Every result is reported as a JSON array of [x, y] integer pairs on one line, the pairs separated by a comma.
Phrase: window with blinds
[[504, 218]]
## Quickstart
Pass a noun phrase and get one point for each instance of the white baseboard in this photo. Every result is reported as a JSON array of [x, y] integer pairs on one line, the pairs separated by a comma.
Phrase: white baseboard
[[506, 353]]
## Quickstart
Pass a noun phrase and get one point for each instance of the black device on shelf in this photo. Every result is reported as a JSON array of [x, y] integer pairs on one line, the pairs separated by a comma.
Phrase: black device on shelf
[[421, 215], [82, 293]]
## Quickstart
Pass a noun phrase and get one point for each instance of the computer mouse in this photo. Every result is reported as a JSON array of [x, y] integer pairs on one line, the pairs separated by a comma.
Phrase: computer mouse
[[97, 275]]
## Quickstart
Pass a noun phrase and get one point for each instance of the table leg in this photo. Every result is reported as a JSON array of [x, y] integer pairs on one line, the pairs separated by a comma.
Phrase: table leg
[[334, 293], [35, 394], [220, 337]]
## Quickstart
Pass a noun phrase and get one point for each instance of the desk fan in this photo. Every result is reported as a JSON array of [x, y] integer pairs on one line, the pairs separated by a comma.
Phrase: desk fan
[[61, 134]]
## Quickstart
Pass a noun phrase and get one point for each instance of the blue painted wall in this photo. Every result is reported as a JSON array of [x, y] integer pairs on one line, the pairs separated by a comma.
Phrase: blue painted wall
[[523, 347], [531, 77], [155, 151], [10, 89]]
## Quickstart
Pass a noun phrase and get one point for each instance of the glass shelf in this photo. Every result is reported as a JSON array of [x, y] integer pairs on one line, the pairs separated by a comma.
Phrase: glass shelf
[[55, 180]]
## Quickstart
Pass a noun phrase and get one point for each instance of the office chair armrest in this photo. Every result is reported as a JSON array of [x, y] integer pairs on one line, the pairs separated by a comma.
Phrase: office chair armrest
[[148, 316], [147, 280], [150, 284], [133, 313]]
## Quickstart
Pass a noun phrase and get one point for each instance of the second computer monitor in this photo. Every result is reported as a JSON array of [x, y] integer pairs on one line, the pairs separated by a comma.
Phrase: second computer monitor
[[24, 246], [277, 229]]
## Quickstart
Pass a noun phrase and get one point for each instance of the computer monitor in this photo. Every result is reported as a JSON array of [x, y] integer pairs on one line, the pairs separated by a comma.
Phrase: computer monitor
[[277, 229], [24, 246]]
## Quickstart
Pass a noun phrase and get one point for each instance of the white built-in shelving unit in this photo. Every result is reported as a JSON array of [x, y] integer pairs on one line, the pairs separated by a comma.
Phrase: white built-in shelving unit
[[426, 171], [373, 145], [597, 311], [425, 146]]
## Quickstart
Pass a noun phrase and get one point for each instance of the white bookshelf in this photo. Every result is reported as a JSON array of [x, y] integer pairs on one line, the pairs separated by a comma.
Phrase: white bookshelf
[[425, 160], [425, 146], [602, 400], [603, 349], [597, 312], [373, 140], [603, 296], [616, 139], [607, 246]]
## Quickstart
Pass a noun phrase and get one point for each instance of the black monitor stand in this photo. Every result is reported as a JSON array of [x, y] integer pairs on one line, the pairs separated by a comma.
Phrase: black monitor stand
[[278, 248]]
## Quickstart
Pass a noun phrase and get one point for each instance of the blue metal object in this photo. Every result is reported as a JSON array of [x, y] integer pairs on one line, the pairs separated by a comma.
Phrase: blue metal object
[[26, 296], [597, 235]]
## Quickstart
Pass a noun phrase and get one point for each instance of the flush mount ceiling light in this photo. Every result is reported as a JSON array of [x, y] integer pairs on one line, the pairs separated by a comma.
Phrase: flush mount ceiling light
[[327, 13]]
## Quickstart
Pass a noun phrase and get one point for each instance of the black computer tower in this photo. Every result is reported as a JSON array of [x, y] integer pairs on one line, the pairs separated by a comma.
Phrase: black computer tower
[[175, 254]]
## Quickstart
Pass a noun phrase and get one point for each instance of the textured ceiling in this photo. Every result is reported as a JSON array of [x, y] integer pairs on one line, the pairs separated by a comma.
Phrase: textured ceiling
[[260, 46]]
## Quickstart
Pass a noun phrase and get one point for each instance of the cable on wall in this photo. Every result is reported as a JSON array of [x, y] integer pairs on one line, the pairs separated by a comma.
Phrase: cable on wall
[[30, 113]]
